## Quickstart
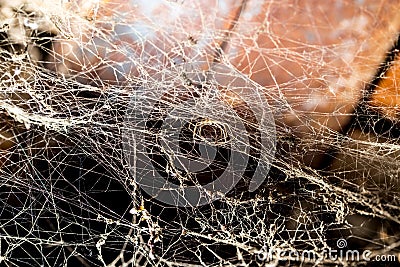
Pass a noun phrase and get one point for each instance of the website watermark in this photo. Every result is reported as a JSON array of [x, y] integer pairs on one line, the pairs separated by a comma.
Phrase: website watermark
[[339, 254]]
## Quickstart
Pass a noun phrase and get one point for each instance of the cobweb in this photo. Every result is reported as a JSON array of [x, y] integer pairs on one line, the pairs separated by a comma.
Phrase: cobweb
[[195, 133]]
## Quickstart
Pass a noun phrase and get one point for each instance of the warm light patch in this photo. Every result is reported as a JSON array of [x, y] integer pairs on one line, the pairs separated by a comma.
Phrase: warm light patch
[[386, 96]]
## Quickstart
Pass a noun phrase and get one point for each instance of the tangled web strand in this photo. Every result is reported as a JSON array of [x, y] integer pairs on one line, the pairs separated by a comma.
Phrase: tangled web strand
[[189, 133]]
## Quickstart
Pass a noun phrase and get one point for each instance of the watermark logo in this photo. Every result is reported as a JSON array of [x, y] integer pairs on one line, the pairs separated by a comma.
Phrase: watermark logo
[[341, 243], [340, 254], [191, 135]]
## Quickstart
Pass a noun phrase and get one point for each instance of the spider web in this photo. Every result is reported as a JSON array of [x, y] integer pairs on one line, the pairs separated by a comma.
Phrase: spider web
[[265, 110]]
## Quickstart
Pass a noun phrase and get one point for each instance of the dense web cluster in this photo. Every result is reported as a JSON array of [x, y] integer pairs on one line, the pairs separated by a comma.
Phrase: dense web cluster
[[197, 133]]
